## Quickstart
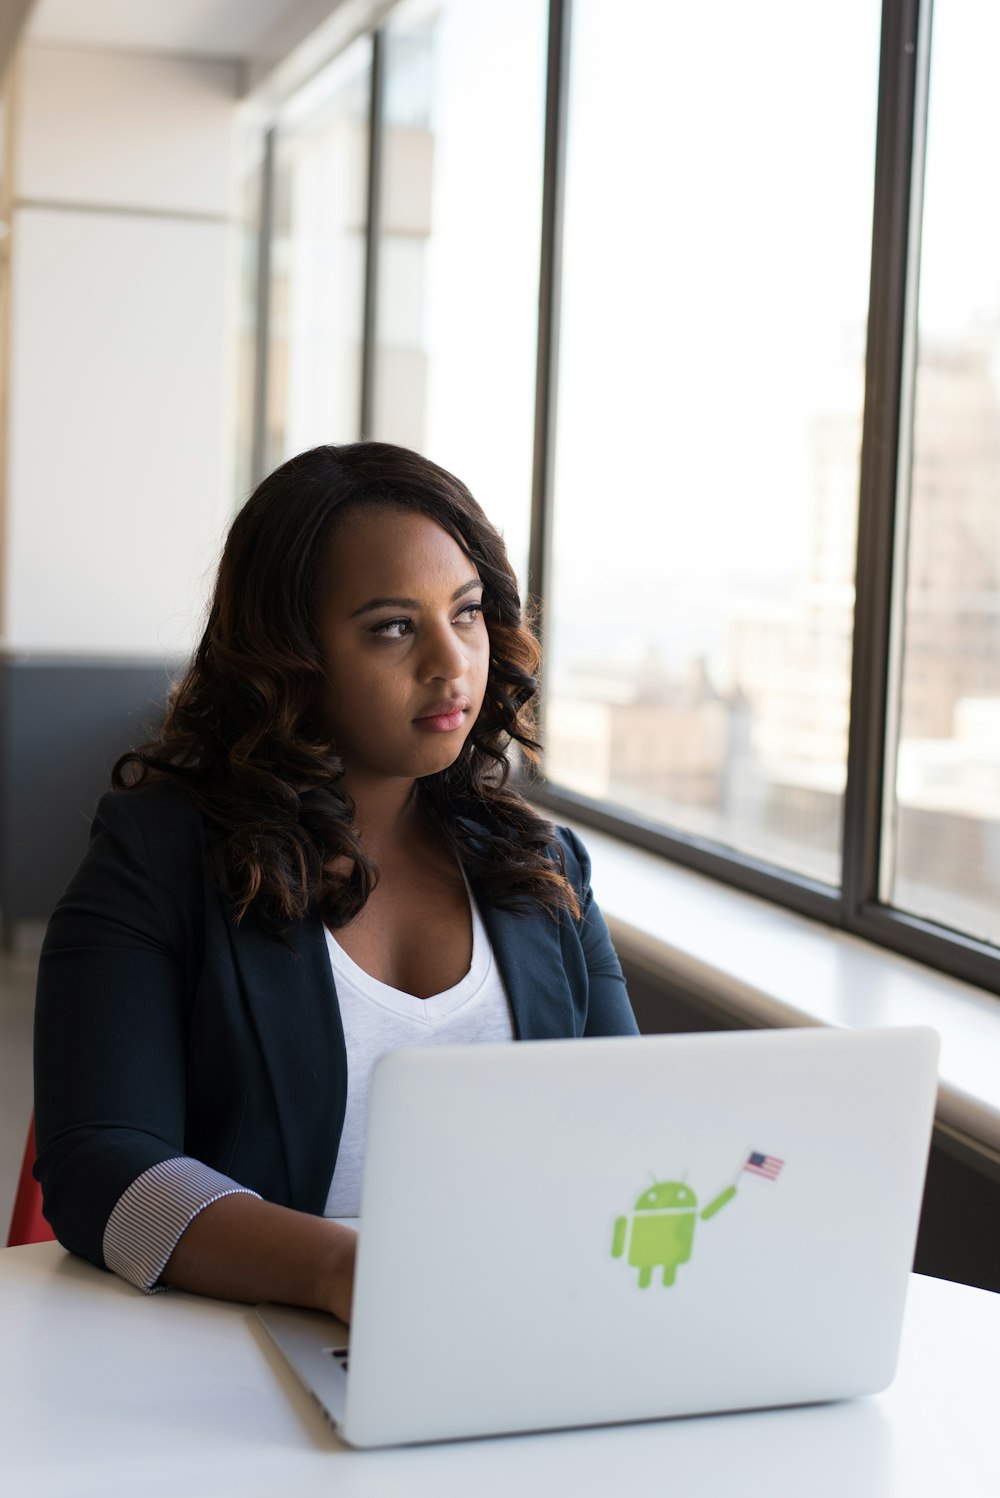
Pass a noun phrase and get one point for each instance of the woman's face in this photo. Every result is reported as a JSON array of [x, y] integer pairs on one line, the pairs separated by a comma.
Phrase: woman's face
[[401, 626]]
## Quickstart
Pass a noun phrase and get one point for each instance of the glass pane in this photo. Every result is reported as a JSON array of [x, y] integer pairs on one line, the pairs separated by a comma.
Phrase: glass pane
[[318, 260], [715, 287], [944, 804], [458, 258], [250, 185]]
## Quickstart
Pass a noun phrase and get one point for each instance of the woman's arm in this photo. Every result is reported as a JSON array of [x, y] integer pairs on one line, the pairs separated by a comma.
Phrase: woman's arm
[[116, 983], [242, 1248]]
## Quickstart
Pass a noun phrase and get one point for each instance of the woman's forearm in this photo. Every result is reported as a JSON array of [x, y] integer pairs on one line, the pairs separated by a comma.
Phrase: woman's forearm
[[241, 1248]]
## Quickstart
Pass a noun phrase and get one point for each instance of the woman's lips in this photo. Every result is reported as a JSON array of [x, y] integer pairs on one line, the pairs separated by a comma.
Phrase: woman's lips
[[443, 717]]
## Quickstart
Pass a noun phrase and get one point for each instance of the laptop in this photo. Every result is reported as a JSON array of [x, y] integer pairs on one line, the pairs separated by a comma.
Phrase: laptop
[[567, 1233]]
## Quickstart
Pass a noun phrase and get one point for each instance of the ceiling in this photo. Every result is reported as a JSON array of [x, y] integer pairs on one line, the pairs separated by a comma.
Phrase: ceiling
[[278, 43], [194, 28]]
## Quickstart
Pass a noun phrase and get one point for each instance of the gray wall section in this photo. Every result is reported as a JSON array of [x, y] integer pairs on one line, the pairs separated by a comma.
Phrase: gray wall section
[[63, 723], [959, 1235]]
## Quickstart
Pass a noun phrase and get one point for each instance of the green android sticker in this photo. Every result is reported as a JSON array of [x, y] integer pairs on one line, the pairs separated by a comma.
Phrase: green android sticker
[[660, 1232]]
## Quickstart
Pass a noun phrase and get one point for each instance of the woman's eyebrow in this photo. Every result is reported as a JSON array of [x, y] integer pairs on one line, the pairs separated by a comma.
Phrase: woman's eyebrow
[[413, 603]]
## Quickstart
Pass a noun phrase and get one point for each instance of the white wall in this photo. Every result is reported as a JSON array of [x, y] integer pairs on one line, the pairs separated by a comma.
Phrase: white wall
[[123, 258]]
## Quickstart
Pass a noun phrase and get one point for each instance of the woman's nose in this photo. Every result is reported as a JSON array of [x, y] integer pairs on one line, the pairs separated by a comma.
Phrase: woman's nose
[[445, 658]]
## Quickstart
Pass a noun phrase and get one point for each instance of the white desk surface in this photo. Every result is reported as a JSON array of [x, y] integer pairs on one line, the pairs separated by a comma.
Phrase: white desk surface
[[106, 1392]]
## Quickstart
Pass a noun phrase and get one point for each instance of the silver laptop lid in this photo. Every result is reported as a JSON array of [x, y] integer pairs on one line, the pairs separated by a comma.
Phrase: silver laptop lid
[[568, 1233]]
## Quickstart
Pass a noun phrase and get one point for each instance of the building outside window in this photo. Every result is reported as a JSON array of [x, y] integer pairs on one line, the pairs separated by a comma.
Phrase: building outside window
[[711, 389]]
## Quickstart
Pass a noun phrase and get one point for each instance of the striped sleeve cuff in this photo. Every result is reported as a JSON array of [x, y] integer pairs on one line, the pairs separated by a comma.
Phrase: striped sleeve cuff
[[150, 1216]]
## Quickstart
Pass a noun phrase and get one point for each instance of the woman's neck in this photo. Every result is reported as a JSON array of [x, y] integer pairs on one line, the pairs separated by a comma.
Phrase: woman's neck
[[386, 812]]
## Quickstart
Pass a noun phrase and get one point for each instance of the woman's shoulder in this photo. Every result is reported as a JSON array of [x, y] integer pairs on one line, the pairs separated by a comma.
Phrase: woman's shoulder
[[158, 819], [571, 843], [575, 857], [557, 842], [142, 876], [156, 802]]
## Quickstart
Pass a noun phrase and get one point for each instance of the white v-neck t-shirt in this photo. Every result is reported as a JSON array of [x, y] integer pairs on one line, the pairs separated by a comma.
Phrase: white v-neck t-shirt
[[378, 1018]]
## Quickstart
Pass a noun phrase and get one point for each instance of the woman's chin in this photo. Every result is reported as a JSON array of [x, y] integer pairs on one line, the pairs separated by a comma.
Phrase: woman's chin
[[439, 756]]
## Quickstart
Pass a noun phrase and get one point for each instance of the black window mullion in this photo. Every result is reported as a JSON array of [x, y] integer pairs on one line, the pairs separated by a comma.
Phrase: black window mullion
[[884, 383], [921, 939], [549, 278]]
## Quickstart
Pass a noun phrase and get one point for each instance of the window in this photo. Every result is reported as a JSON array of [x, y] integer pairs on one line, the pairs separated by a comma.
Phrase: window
[[457, 305], [941, 849], [717, 244], [317, 261], [705, 307]]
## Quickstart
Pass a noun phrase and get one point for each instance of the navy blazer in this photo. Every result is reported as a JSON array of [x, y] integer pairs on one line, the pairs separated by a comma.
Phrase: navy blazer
[[164, 1029]]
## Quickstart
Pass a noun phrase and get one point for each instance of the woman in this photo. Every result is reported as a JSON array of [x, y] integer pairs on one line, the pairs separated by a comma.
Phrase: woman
[[319, 858]]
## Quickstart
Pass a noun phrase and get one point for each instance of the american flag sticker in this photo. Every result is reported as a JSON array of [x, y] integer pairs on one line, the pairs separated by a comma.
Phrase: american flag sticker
[[768, 1166]]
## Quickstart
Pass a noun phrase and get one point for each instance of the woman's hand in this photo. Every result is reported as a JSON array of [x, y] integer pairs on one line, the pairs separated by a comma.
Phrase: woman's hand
[[335, 1288], [242, 1248]]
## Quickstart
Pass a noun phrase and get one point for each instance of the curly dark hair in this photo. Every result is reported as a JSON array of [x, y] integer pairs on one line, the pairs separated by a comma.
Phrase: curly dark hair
[[243, 733]]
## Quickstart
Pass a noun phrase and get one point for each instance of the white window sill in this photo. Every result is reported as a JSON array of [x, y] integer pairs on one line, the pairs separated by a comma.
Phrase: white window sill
[[768, 966]]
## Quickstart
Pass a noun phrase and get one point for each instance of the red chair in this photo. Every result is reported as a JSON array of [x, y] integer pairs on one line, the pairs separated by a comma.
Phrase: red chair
[[27, 1225]]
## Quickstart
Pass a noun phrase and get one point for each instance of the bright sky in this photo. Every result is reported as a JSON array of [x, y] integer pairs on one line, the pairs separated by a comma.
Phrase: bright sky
[[960, 262]]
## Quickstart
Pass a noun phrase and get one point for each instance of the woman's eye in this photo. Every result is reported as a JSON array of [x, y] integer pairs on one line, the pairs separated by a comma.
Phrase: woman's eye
[[392, 629], [398, 629]]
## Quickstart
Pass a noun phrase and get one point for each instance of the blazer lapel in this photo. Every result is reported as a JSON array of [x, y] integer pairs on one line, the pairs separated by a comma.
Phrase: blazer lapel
[[292, 1002], [529, 955]]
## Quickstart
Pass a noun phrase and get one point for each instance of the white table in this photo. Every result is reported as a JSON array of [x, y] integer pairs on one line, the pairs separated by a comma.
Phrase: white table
[[106, 1392]]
